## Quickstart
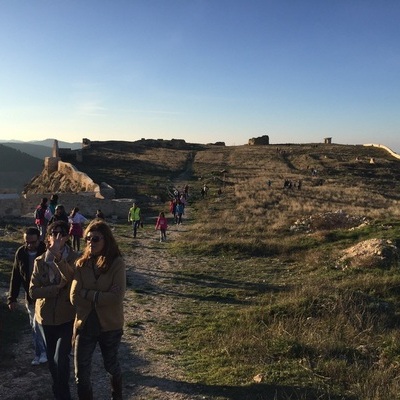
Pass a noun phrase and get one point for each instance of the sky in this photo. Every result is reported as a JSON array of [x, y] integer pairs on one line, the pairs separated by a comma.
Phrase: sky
[[201, 70]]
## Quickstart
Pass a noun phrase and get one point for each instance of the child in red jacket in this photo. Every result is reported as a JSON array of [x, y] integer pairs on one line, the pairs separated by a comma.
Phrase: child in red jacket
[[162, 226]]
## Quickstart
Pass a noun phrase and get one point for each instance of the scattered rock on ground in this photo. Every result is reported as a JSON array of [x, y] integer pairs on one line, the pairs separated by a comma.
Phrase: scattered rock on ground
[[372, 253], [329, 220]]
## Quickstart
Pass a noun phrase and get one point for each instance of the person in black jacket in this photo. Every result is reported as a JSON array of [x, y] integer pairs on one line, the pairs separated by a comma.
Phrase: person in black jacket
[[59, 215], [21, 275]]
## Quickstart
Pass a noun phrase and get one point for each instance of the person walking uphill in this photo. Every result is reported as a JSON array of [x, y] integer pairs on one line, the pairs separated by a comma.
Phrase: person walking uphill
[[60, 214], [21, 275], [135, 216], [76, 221], [97, 292], [50, 286], [40, 219], [162, 225]]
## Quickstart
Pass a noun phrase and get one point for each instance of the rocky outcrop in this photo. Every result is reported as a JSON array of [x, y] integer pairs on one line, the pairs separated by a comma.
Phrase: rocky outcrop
[[66, 179]]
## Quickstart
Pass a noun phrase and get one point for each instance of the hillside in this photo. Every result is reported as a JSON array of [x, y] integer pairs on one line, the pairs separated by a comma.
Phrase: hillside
[[281, 283], [145, 168], [17, 168]]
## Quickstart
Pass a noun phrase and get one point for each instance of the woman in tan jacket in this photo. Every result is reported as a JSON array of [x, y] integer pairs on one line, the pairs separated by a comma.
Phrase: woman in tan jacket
[[97, 292], [50, 287]]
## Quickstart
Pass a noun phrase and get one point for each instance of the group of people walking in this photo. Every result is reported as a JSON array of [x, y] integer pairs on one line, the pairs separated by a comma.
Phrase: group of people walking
[[176, 207], [74, 300], [48, 212], [135, 218]]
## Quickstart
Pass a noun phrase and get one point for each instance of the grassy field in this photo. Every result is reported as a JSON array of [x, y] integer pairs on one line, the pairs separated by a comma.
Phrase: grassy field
[[273, 302], [260, 298]]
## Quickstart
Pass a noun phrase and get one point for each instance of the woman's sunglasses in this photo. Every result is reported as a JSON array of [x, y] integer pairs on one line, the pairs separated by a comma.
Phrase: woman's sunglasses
[[94, 239]]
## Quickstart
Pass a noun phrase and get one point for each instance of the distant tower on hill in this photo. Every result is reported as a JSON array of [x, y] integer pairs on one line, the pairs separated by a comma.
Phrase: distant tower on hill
[[51, 163], [55, 152]]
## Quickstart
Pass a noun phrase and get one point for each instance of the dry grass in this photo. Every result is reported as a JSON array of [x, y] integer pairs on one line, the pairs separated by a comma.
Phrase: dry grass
[[288, 312]]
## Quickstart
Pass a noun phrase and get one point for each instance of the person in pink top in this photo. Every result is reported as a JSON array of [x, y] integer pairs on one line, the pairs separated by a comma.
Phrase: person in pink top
[[162, 226]]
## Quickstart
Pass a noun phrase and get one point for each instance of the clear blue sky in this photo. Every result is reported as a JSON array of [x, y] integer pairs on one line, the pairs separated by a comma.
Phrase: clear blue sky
[[201, 70]]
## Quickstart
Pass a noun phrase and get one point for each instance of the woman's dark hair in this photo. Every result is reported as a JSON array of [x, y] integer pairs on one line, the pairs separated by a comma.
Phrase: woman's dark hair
[[110, 249], [74, 211], [62, 226]]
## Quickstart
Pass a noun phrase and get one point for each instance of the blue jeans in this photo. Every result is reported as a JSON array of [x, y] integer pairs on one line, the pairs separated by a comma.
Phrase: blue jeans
[[58, 339], [135, 226], [37, 335], [85, 344]]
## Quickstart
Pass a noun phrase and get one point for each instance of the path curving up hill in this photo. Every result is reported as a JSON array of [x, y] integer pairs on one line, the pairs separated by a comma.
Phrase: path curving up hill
[[148, 358]]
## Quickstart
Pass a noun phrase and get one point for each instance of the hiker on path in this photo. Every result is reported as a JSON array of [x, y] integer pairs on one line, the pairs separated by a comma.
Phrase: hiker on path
[[59, 214], [40, 220], [180, 209], [51, 209], [76, 221], [204, 191], [21, 275], [135, 217], [97, 292], [50, 287], [100, 214], [162, 225]]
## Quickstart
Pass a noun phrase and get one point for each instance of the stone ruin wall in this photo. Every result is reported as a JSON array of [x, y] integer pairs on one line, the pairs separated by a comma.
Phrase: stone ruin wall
[[259, 141], [14, 205], [381, 146], [10, 205], [90, 197], [87, 204]]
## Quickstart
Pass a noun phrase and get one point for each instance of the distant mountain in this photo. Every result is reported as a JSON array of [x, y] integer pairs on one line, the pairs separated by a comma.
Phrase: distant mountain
[[40, 149], [17, 168], [33, 150], [61, 144]]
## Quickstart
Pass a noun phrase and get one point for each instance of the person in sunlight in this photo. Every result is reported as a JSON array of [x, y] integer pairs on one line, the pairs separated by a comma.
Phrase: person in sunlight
[[50, 288], [97, 292]]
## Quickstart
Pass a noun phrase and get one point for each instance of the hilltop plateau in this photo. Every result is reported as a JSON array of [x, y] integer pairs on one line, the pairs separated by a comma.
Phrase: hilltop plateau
[[145, 168]]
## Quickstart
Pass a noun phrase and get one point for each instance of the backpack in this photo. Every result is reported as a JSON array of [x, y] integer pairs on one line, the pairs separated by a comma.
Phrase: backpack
[[48, 214]]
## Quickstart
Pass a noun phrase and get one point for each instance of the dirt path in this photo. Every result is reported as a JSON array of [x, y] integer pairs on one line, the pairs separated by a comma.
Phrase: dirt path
[[148, 359]]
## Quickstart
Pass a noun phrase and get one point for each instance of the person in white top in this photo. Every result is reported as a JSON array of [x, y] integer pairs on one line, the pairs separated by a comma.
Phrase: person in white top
[[76, 221]]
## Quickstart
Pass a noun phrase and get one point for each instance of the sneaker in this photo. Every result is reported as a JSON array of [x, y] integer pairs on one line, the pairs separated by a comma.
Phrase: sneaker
[[36, 361], [43, 358]]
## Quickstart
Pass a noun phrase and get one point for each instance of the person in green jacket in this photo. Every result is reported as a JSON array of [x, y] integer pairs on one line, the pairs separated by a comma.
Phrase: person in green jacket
[[97, 292], [135, 217]]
